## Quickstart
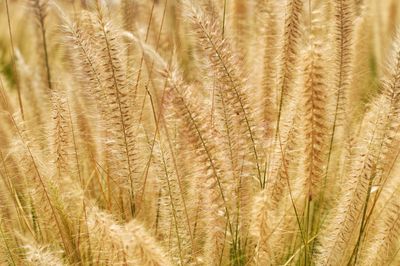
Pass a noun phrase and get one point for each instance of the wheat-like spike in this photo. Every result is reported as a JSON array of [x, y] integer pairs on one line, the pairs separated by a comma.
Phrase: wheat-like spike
[[223, 114], [233, 146], [343, 32], [315, 115], [270, 70], [291, 37], [230, 76], [84, 56], [61, 135], [86, 62], [40, 11], [119, 96], [198, 137]]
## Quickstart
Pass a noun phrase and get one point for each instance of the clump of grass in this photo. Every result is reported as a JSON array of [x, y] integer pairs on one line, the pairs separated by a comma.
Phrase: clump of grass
[[180, 132]]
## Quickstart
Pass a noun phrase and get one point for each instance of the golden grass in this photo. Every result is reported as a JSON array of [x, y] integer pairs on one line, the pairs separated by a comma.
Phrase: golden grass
[[182, 132]]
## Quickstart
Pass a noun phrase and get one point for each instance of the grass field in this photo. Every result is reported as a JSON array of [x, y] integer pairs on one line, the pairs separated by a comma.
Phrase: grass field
[[200, 132]]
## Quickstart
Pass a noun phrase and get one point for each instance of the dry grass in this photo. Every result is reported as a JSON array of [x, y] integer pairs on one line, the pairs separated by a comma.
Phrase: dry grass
[[182, 132]]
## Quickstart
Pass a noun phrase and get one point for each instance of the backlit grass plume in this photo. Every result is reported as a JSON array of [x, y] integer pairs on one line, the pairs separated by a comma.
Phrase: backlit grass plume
[[182, 132]]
